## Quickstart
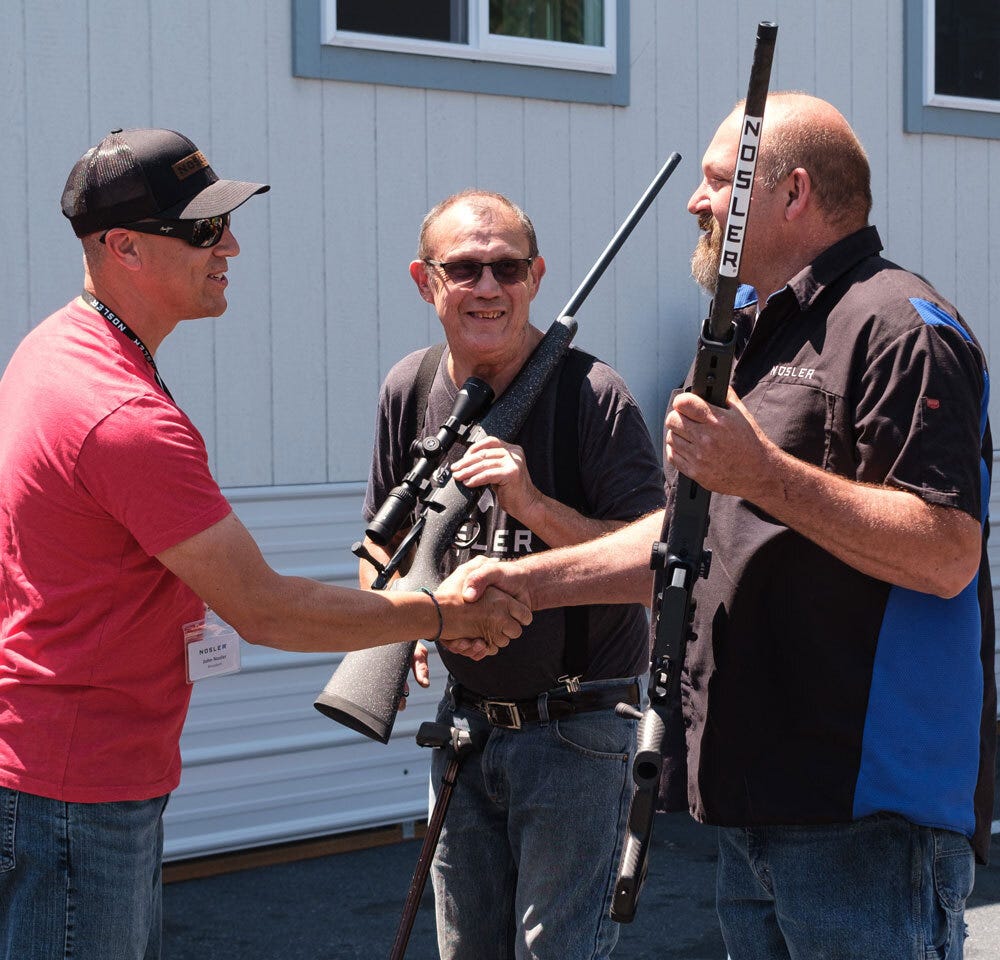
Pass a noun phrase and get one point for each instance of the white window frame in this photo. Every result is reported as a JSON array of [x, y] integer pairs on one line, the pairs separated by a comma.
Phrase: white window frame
[[950, 116], [484, 45], [931, 97]]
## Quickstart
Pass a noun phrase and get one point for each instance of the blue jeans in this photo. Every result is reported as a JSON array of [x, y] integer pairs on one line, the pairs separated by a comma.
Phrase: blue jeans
[[526, 862], [878, 887], [79, 881]]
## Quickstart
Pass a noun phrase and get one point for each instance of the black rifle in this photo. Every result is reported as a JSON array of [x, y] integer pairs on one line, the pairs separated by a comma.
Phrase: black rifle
[[680, 557], [366, 687]]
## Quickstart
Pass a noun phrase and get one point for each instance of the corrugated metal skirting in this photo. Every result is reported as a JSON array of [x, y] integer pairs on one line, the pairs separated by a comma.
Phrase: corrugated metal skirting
[[261, 765]]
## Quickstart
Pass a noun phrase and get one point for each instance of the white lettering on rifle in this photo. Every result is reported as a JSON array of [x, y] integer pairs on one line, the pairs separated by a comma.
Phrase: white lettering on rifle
[[739, 204], [502, 545]]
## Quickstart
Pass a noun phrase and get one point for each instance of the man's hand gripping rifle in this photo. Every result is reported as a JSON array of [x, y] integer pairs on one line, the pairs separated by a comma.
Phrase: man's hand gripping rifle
[[365, 690], [680, 557]]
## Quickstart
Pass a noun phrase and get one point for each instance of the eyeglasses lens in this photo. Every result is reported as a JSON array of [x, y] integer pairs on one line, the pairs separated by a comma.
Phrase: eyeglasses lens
[[510, 271], [208, 232], [468, 272]]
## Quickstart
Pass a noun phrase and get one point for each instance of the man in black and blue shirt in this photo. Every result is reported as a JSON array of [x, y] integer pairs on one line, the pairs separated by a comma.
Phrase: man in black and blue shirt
[[839, 698]]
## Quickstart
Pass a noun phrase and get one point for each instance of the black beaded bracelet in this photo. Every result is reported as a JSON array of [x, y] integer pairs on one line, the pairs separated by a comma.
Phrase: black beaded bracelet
[[437, 606]]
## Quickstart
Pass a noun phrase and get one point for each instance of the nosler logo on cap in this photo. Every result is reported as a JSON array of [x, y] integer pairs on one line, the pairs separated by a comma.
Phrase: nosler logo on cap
[[190, 164]]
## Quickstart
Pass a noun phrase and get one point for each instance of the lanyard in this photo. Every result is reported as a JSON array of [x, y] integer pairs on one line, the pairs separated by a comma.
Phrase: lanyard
[[120, 324]]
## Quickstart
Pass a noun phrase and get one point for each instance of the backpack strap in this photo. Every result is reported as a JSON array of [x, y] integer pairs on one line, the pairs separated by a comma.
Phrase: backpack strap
[[569, 490], [566, 429], [416, 410]]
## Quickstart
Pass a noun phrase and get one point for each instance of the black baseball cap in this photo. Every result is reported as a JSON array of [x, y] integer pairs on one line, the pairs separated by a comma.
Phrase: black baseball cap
[[147, 173]]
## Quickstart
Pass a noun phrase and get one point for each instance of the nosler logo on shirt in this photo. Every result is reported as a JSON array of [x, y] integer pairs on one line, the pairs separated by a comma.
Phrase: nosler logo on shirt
[[192, 163], [800, 373]]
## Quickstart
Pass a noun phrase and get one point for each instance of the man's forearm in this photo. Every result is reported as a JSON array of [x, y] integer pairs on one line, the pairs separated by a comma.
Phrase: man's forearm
[[223, 565], [611, 569], [885, 532], [561, 526], [305, 616]]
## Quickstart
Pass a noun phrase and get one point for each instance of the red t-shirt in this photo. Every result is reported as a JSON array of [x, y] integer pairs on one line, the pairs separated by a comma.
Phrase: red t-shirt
[[99, 471]]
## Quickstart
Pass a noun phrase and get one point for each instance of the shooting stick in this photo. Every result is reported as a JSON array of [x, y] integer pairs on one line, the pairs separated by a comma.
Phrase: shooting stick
[[458, 743]]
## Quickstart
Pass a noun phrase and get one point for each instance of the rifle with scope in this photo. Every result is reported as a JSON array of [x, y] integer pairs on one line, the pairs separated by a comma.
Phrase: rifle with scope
[[365, 689], [416, 487]]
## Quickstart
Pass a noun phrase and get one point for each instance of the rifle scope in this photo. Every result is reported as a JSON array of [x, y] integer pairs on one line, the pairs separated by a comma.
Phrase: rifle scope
[[472, 401]]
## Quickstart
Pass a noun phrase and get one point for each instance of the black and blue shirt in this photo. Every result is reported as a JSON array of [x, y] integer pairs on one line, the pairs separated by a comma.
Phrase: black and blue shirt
[[815, 693]]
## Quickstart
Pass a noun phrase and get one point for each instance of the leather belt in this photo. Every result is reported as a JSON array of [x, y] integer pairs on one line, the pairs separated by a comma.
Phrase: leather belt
[[513, 714]]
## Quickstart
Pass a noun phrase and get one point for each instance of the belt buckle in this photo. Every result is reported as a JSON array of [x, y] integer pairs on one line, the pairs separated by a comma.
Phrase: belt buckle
[[495, 711], [572, 684]]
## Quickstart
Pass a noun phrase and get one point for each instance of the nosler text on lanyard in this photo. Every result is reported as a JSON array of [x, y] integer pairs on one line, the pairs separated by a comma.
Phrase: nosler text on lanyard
[[117, 321]]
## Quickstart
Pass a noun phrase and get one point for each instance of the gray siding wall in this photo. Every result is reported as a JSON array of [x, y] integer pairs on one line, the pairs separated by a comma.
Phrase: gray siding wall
[[283, 385], [321, 305]]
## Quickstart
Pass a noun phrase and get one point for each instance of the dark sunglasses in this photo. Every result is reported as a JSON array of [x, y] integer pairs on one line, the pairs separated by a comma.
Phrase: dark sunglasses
[[198, 233], [466, 273]]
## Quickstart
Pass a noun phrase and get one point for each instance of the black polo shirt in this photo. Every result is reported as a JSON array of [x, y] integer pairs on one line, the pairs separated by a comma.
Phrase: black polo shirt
[[814, 693]]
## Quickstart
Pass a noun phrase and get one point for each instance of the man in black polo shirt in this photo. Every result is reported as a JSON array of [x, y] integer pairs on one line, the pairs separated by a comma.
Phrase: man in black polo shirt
[[839, 698]]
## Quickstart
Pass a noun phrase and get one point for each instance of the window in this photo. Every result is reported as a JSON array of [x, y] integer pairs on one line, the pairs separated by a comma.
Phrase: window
[[966, 60], [953, 67], [553, 33], [551, 49]]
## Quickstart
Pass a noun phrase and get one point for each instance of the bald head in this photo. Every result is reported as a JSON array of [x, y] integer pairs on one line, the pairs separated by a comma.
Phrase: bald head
[[813, 189], [487, 206], [804, 131]]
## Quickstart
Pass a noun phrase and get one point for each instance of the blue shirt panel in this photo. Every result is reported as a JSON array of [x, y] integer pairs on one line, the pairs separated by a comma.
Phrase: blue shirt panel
[[920, 754]]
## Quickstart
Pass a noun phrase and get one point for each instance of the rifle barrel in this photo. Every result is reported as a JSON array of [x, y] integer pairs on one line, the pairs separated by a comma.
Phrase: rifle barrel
[[621, 235]]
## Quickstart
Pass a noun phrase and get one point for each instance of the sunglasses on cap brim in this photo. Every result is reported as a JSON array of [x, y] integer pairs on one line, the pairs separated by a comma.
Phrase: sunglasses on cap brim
[[206, 232]]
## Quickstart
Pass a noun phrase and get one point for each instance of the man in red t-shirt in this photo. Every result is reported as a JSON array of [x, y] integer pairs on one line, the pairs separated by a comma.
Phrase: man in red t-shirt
[[114, 537]]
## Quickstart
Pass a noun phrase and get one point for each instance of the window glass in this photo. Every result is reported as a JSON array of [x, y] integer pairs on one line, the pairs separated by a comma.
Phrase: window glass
[[967, 49], [565, 21], [428, 20]]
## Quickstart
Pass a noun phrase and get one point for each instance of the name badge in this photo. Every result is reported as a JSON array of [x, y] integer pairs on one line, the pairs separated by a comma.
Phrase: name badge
[[212, 646]]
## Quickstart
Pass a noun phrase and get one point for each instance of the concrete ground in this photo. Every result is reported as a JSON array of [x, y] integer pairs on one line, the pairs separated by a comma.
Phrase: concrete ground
[[347, 907]]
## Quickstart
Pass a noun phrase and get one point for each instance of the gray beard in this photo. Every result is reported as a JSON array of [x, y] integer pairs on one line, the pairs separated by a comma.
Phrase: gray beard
[[706, 258]]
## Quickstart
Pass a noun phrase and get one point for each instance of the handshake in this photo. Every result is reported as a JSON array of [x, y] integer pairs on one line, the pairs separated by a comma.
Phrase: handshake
[[491, 600], [484, 605]]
